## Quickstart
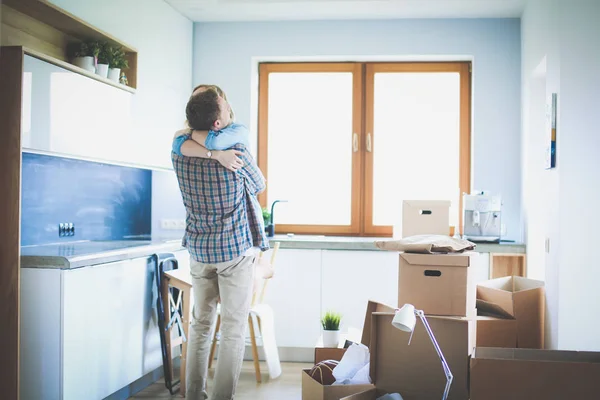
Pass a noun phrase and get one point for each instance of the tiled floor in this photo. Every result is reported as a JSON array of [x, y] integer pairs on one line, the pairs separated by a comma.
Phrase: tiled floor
[[286, 387]]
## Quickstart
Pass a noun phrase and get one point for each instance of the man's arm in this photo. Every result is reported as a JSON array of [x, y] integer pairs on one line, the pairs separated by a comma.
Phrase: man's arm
[[255, 178]]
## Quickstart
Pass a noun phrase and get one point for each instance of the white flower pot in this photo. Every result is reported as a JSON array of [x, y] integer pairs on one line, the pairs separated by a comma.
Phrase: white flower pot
[[114, 74], [102, 70], [331, 338], [86, 63]]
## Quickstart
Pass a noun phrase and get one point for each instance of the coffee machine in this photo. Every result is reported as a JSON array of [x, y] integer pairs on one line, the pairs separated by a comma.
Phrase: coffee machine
[[482, 217]]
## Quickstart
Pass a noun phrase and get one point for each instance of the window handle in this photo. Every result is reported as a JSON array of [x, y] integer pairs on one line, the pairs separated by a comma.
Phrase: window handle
[[369, 146], [355, 142]]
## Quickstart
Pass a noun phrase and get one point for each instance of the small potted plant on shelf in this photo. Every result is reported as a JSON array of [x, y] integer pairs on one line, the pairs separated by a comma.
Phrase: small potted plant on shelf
[[331, 329], [84, 55], [104, 56], [117, 63]]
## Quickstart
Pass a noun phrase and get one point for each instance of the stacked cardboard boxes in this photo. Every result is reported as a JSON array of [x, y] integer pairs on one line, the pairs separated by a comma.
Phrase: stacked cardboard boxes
[[443, 286], [489, 334]]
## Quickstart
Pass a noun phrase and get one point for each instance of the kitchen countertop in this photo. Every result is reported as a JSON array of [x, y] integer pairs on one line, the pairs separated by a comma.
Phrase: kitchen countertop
[[368, 243], [83, 253], [79, 254]]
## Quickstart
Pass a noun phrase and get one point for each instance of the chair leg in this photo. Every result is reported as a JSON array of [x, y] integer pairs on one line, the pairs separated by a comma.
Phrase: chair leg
[[185, 310], [254, 350], [214, 342]]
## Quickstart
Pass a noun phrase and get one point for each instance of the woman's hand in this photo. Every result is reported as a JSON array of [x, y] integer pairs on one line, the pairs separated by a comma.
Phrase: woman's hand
[[229, 159]]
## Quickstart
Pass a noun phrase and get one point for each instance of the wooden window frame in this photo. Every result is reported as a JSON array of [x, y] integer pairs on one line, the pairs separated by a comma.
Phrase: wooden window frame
[[463, 69], [362, 123]]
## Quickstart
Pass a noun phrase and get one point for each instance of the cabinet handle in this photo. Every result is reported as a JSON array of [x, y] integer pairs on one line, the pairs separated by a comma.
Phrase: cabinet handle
[[355, 142], [369, 147]]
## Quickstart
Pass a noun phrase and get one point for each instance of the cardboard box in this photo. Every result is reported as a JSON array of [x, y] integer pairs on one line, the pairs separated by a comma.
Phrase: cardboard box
[[525, 374], [519, 298], [423, 217], [496, 332], [371, 394], [313, 390], [438, 284], [328, 353], [415, 370]]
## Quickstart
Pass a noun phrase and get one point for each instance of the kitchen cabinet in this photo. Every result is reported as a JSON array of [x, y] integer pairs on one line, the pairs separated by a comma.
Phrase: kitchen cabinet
[[294, 294], [88, 332], [482, 267], [351, 278], [69, 114]]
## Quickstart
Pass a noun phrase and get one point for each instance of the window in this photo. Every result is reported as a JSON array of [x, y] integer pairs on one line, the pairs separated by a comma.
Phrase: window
[[345, 143]]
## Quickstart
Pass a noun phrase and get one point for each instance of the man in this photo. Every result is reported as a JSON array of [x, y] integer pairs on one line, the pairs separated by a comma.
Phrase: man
[[222, 239]]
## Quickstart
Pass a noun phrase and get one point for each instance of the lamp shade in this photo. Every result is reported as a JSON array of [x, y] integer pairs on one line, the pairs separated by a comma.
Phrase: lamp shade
[[405, 318]]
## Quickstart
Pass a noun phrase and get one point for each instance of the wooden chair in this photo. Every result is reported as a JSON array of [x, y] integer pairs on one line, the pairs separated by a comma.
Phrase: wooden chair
[[181, 280], [257, 299]]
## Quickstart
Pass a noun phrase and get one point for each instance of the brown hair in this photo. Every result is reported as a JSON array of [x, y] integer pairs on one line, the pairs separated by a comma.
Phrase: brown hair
[[219, 91], [203, 109]]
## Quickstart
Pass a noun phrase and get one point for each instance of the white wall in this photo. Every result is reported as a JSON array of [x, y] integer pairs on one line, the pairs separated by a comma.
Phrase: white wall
[[541, 77], [224, 55], [579, 271], [559, 204], [163, 39]]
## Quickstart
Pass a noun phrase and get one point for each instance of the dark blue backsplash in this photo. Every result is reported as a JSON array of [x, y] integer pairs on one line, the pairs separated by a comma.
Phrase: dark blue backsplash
[[105, 202]]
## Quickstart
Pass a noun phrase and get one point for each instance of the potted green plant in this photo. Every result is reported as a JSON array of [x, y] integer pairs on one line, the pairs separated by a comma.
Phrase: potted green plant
[[331, 329], [83, 54], [266, 216], [116, 63], [104, 56]]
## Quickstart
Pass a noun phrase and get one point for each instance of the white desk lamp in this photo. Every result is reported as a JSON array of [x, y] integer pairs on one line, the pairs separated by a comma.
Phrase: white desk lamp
[[405, 320]]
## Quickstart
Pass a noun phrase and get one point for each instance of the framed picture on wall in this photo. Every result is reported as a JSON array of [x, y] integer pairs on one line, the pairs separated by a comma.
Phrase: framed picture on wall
[[551, 132]]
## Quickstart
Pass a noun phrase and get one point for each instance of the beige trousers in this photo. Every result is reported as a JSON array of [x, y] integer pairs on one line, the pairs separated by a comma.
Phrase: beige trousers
[[232, 282]]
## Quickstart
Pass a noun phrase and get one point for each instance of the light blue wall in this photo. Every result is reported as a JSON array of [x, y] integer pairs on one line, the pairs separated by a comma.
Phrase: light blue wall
[[226, 53]]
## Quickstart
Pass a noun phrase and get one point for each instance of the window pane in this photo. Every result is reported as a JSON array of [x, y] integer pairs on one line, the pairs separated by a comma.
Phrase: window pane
[[416, 141], [310, 147]]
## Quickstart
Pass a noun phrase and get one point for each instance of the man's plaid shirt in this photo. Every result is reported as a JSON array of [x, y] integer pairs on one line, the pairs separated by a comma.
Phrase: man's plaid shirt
[[223, 219]]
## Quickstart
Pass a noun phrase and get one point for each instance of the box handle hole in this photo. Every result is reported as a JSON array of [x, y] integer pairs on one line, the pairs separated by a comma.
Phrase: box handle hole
[[432, 272], [425, 212]]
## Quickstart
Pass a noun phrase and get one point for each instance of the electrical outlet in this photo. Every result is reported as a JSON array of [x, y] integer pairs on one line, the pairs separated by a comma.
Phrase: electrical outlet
[[172, 224], [66, 229], [180, 224]]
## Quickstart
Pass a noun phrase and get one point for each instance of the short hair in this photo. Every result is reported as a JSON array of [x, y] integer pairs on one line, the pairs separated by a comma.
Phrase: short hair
[[219, 91], [203, 109]]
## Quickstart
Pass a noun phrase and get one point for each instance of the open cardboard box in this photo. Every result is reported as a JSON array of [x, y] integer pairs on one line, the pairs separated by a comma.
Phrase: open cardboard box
[[496, 332], [313, 390], [519, 298], [525, 374], [415, 370], [438, 284]]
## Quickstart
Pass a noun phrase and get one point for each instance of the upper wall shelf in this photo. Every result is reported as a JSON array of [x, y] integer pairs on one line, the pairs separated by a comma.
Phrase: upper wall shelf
[[47, 30]]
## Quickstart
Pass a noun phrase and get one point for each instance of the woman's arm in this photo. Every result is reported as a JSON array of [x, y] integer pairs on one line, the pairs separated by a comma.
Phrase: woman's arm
[[226, 138], [183, 146]]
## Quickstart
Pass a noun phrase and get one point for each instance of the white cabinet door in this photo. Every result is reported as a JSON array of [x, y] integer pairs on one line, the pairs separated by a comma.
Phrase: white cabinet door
[[294, 293], [103, 328], [40, 332], [183, 259], [351, 278], [482, 267], [68, 113]]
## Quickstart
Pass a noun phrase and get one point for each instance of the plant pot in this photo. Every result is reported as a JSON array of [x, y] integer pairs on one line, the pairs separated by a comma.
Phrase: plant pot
[[331, 338], [102, 70], [86, 63], [114, 74]]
